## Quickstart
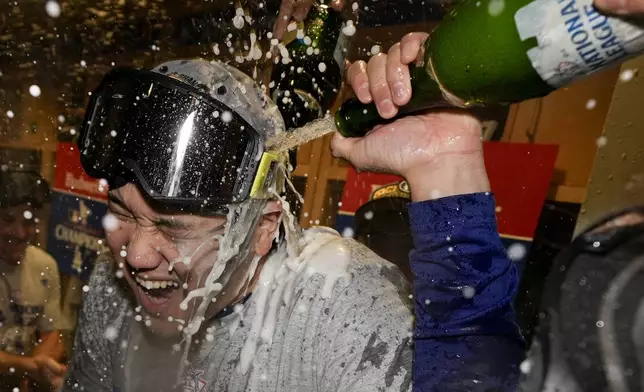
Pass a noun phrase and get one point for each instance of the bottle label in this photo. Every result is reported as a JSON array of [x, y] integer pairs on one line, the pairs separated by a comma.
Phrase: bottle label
[[574, 39]]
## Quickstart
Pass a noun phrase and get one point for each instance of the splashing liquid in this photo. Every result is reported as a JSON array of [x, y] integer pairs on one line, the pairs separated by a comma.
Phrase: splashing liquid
[[233, 250], [324, 252], [299, 136]]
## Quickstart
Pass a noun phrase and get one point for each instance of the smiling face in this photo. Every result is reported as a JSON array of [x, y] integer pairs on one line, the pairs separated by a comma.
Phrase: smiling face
[[17, 227], [147, 243]]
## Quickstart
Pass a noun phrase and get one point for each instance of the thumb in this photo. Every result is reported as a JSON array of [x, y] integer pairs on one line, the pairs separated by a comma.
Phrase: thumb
[[621, 7], [352, 149], [341, 147]]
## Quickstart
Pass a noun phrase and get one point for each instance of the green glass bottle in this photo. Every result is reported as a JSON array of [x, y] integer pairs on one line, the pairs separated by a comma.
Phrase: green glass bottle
[[306, 86], [488, 52]]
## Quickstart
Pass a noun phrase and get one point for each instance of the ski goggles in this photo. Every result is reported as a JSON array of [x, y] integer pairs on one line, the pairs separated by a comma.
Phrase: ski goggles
[[180, 145]]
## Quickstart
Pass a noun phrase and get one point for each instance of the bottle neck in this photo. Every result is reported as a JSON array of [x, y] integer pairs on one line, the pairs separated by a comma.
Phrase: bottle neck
[[311, 80], [323, 27], [299, 108], [355, 119]]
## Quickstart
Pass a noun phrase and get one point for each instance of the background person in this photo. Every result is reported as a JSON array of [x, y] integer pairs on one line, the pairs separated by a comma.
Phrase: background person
[[382, 224], [30, 316], [590, 335]]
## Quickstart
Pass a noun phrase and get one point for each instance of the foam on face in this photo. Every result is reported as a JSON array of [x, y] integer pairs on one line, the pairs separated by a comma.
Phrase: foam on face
[[186, 259], [319, 251], [240, 222]]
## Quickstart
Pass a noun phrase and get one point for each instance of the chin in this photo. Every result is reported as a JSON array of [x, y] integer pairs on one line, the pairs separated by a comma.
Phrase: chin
[[14, 254], [163, 328]]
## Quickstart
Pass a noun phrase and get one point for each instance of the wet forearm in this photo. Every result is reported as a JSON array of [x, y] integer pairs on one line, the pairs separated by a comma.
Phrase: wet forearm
[[449, 176]]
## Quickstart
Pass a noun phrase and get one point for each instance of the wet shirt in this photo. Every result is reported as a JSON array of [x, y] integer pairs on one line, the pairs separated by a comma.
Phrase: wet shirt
[[466, 338], [356, 339], [29, 301]]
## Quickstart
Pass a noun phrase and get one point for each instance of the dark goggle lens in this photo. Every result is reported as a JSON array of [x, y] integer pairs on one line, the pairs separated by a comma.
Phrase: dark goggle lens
[[177, 144]]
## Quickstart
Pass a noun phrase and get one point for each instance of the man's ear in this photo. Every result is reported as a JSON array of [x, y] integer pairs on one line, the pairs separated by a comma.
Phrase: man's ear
[[267, 227]]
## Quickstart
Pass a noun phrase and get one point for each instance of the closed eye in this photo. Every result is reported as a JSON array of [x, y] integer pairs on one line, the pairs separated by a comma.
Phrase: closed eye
[[117, 209], [175, 228], [121, 215]]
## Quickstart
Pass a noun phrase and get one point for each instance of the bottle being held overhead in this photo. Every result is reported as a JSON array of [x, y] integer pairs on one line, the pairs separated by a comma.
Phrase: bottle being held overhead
[[488, 52], [305, 84]]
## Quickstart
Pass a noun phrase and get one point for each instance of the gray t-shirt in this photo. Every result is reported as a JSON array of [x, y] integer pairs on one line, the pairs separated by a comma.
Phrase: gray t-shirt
[[356, 339]]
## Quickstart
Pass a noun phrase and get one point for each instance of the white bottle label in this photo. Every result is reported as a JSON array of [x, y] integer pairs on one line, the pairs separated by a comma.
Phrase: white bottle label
[[574, 39]]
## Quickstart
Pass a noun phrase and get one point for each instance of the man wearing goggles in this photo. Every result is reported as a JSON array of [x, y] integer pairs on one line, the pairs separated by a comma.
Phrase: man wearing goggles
[[210, 285]]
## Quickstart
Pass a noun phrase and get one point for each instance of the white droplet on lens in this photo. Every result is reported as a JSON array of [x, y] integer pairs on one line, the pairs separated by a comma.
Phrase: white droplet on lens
[[348, 232], [110, 333], [516, 251], [53, 9], [626, 75], [110, 222], [34, 90], [601, 141], [468, 292]]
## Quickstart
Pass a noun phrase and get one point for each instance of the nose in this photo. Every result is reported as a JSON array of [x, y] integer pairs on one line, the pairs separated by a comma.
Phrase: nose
[[18, 230], [143, 250]]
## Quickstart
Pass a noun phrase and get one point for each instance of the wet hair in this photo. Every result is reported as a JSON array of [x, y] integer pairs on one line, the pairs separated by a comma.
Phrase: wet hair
[[22, 187]]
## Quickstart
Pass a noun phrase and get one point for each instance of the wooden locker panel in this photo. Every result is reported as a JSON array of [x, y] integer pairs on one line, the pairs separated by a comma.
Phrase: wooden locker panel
[[572, 118]]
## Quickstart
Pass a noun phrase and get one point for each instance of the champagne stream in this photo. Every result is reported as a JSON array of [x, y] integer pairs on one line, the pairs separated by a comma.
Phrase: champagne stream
[[299, 136]]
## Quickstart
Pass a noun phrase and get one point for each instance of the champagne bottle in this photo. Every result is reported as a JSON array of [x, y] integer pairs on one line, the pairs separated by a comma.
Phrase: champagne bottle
[[488, 52], [305, 85]]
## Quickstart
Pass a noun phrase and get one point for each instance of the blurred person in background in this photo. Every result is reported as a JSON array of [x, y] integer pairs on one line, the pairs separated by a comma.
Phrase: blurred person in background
[[30, 315], [590, 335], [382, 224]]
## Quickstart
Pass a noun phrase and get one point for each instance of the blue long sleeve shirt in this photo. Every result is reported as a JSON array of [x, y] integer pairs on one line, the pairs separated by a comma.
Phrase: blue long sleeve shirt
[[466, 338]]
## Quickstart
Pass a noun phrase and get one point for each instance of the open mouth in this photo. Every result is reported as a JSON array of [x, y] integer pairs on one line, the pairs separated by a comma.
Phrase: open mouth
[[156, 292]]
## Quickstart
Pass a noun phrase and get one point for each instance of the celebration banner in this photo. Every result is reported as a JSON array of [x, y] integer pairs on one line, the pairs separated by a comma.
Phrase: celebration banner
[[79, 202]]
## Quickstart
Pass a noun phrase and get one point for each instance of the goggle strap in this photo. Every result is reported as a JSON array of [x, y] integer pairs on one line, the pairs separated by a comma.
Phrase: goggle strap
[[267, 171]]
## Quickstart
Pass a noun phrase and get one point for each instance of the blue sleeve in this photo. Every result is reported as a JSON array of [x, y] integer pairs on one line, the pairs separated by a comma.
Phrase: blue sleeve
[[466, 338]]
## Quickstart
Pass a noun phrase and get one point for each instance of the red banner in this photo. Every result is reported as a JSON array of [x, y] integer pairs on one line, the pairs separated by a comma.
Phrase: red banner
[[71, 178]]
